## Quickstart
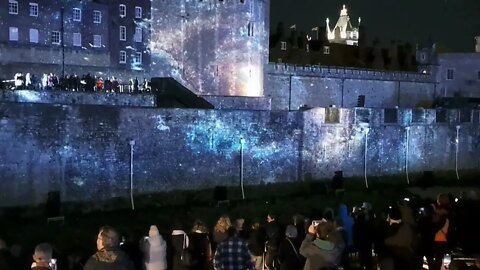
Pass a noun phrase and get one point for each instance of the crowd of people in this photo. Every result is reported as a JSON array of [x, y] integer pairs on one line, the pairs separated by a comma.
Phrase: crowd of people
[[74, 82], [411, 232]]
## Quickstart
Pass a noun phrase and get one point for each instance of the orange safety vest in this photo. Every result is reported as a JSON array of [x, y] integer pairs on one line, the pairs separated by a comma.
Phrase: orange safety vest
[[441, 235]]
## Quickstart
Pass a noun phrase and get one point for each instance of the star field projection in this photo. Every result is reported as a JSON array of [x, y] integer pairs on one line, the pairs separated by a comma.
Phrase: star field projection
[[213, 47]]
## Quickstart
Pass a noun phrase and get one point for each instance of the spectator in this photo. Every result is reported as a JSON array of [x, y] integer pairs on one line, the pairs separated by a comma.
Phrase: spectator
[[220, 231], [157, 251], [322, 247], [401, 243], [273, 231], [42, 258], [441, 229], [5, 258], [363, 235], [180, 241], [347, 221], [233, 254], [108, 255], [256, 246], [288, 255], [200, 246]]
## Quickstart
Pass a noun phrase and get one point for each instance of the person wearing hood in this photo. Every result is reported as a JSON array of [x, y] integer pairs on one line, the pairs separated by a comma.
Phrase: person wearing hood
[[347, 222], [322, 246], [156, 253], [108, 255], [288, 255]]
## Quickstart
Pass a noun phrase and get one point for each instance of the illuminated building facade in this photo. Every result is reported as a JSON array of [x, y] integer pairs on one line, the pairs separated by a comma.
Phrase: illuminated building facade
[[343, 32], [213, 47], [72, 36]]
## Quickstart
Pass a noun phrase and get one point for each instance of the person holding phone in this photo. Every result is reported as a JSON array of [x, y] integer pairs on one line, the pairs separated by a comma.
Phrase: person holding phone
[[322, 246]]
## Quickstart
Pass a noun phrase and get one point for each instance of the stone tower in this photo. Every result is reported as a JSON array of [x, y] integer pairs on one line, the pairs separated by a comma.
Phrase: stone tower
[[343, 32], [214, 47]]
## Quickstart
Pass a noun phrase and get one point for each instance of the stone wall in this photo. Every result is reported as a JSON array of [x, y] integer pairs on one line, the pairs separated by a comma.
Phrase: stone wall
[[239, 103], [291, 87], [84, 150], [64, 97]]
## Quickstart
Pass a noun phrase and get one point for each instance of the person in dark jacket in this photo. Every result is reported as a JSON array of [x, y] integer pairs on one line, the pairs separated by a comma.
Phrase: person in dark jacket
[[288, 252], [108, 255], [256, 242], [5, 257], [179, 242], [273, 231], [200, 246]]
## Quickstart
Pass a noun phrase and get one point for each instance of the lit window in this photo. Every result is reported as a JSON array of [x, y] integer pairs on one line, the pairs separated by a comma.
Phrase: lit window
[[12, 7], [450, 74], [138, 58], [123, 33], [13, 34], [138, 12], [123, 57], [122, 10], [283, 46], [77, 39], [138, 34], [34, 9], [33, 35], [97, 41], [77, 15], [56, 37], [97, 16], [326, 49]]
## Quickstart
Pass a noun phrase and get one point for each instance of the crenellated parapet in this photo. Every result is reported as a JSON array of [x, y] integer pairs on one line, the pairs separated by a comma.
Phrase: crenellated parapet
[[348, 73]]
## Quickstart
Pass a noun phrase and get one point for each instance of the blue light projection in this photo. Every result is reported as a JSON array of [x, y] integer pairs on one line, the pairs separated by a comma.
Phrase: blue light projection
[[212, 47]]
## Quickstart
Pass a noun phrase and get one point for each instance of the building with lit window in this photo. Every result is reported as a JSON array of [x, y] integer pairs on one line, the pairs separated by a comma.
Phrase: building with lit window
[[73, 37], [343, 32]]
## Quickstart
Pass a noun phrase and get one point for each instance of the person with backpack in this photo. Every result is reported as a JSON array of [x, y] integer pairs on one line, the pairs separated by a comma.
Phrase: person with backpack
[[288, 252]]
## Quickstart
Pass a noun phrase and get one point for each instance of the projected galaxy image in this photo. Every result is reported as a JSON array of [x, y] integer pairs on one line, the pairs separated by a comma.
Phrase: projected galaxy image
[[212, 47]]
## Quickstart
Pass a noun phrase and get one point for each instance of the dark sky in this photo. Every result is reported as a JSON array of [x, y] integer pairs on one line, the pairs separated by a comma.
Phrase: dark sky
[[450, 23]]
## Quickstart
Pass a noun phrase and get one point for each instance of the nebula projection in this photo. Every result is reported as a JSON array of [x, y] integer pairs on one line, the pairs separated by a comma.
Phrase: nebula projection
[[213, 47]]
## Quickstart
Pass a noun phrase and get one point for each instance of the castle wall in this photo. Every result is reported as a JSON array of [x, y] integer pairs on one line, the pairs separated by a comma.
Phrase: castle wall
[[86, 98], [212, 47], [320, 86], [84, 150]]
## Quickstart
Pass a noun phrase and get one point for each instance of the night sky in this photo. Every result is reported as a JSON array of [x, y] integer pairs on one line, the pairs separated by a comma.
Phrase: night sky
[[453, 24]]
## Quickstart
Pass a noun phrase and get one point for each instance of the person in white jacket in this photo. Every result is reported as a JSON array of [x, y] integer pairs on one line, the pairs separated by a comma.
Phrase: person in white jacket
[[157, 251]]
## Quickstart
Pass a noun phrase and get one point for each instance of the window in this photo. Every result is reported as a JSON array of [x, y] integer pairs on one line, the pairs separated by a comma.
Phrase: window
[[13, 34], [122, 10], [97, 16], [138, 58], [138, 12], [478, 75], [326, 49], [123, 33], [12, 7], [33, 35], [77, 15], [423, 56], [34, 9], [123, 57], [250, 28], [56, 37], [450, 74], [283, 46], [97, 41], [138, 34], [77, 39]]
